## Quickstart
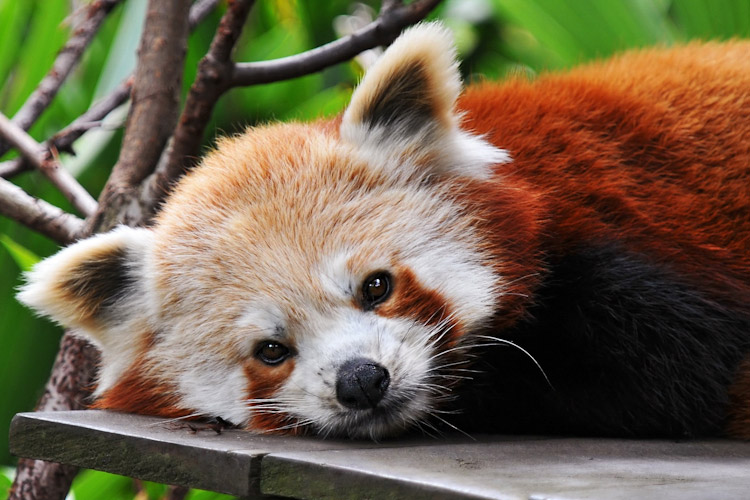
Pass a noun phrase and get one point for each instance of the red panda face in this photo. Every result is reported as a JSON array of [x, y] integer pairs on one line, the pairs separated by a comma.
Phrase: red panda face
[[332, 313], [304, 277]]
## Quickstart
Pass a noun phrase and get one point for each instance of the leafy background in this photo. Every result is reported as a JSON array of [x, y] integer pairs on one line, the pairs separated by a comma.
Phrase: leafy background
[[495, 38]]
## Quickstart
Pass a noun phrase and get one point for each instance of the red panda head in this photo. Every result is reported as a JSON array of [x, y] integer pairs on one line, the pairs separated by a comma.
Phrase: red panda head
[[304, 277]]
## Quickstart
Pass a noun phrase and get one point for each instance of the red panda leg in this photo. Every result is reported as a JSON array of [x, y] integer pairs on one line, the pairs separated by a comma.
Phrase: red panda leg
[[739, 411]]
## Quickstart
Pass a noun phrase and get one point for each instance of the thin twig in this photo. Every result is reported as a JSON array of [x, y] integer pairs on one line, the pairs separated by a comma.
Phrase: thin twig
[[214, 74], [199, 11], [215, 77], [47, 219], [394, 16], [11, 167], [50, 167], [64, 139], [66, 60]]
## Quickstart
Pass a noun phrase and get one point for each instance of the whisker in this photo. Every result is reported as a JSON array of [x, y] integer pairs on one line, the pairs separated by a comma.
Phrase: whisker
[[524, 277], [513, 344], [454, 377], [452, 426], [178, 419]]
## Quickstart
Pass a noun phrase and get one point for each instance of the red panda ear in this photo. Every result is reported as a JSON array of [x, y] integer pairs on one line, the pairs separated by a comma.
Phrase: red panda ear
[[95, 285], [404, 109]]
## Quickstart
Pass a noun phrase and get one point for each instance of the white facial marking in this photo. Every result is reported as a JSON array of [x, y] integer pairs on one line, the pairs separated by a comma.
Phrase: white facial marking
[[334, 276], [403, 346], [398, 345], [216, 389], [455, 152], [261, 319]]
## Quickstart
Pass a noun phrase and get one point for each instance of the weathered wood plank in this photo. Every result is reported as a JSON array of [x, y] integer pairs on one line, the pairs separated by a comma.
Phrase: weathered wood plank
[[519, 469], [151, 448], [248, 465]]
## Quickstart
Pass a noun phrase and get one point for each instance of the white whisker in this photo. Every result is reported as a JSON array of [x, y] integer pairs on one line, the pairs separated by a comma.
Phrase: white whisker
[[500, 341]]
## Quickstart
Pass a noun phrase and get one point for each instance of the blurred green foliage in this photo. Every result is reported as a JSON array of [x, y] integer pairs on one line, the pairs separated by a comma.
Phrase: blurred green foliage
[[495, 38]]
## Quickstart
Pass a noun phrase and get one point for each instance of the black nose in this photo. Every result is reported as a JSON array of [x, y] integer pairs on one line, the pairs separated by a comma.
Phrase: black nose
[[361, 383]]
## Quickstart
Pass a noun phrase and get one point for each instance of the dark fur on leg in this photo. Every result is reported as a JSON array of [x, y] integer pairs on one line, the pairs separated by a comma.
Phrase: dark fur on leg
[[630, 348]]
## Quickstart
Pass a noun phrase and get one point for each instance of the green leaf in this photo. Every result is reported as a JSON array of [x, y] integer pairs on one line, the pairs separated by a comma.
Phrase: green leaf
[[45, 35], [15, 17], [6, 480], [710, 19], [572, 32], [24, 258], [207, 495], [94, 485], [323, 104]]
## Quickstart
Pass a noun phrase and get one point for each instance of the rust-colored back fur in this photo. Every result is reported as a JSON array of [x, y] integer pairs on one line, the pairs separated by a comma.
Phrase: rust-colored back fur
[[650, 149]]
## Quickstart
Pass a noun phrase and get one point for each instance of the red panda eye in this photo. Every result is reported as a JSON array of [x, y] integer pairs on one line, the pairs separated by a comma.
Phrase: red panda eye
[[376, 288], [272, 353]]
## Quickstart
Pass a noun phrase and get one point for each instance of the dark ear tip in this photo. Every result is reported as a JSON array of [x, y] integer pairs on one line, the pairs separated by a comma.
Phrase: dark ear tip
[[101, 281], [405, 107], [82, 283], [414, 83], [409, 89]]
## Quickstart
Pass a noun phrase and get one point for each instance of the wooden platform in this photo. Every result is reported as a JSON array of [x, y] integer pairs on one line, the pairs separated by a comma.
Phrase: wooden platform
[[498, 467]]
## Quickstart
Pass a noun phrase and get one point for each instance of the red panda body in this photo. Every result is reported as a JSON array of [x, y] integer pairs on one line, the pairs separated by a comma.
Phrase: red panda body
[[640, 167], [570, 254]]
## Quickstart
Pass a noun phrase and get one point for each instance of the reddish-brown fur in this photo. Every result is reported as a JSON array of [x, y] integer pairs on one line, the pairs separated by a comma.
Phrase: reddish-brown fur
[[587, 188], [412, 300], [563, 118], [137, 393], [263, 382]]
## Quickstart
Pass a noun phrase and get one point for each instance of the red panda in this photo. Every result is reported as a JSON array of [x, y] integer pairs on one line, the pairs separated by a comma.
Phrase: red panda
[[567, 254]]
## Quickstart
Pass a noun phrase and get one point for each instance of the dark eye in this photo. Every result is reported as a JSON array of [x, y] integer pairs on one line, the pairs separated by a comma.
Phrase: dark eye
[[272, 353], [375, 289]]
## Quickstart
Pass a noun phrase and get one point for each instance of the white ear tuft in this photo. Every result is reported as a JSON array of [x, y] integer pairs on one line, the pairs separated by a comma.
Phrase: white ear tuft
[[93, 284], [403, 109]]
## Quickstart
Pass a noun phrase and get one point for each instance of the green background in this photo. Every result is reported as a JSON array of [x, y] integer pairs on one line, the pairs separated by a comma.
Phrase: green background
[[495, 38]]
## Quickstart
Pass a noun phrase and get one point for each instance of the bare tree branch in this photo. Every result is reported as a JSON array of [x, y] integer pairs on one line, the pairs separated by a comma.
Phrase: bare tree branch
[[66, 60], [214, 72], [38, 156], [64, 139], [176, 493], [155, 104], [394, 16], [152, 115], [38, 215], [215, 77], [199, 11], [67, 389], [11, 167]]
